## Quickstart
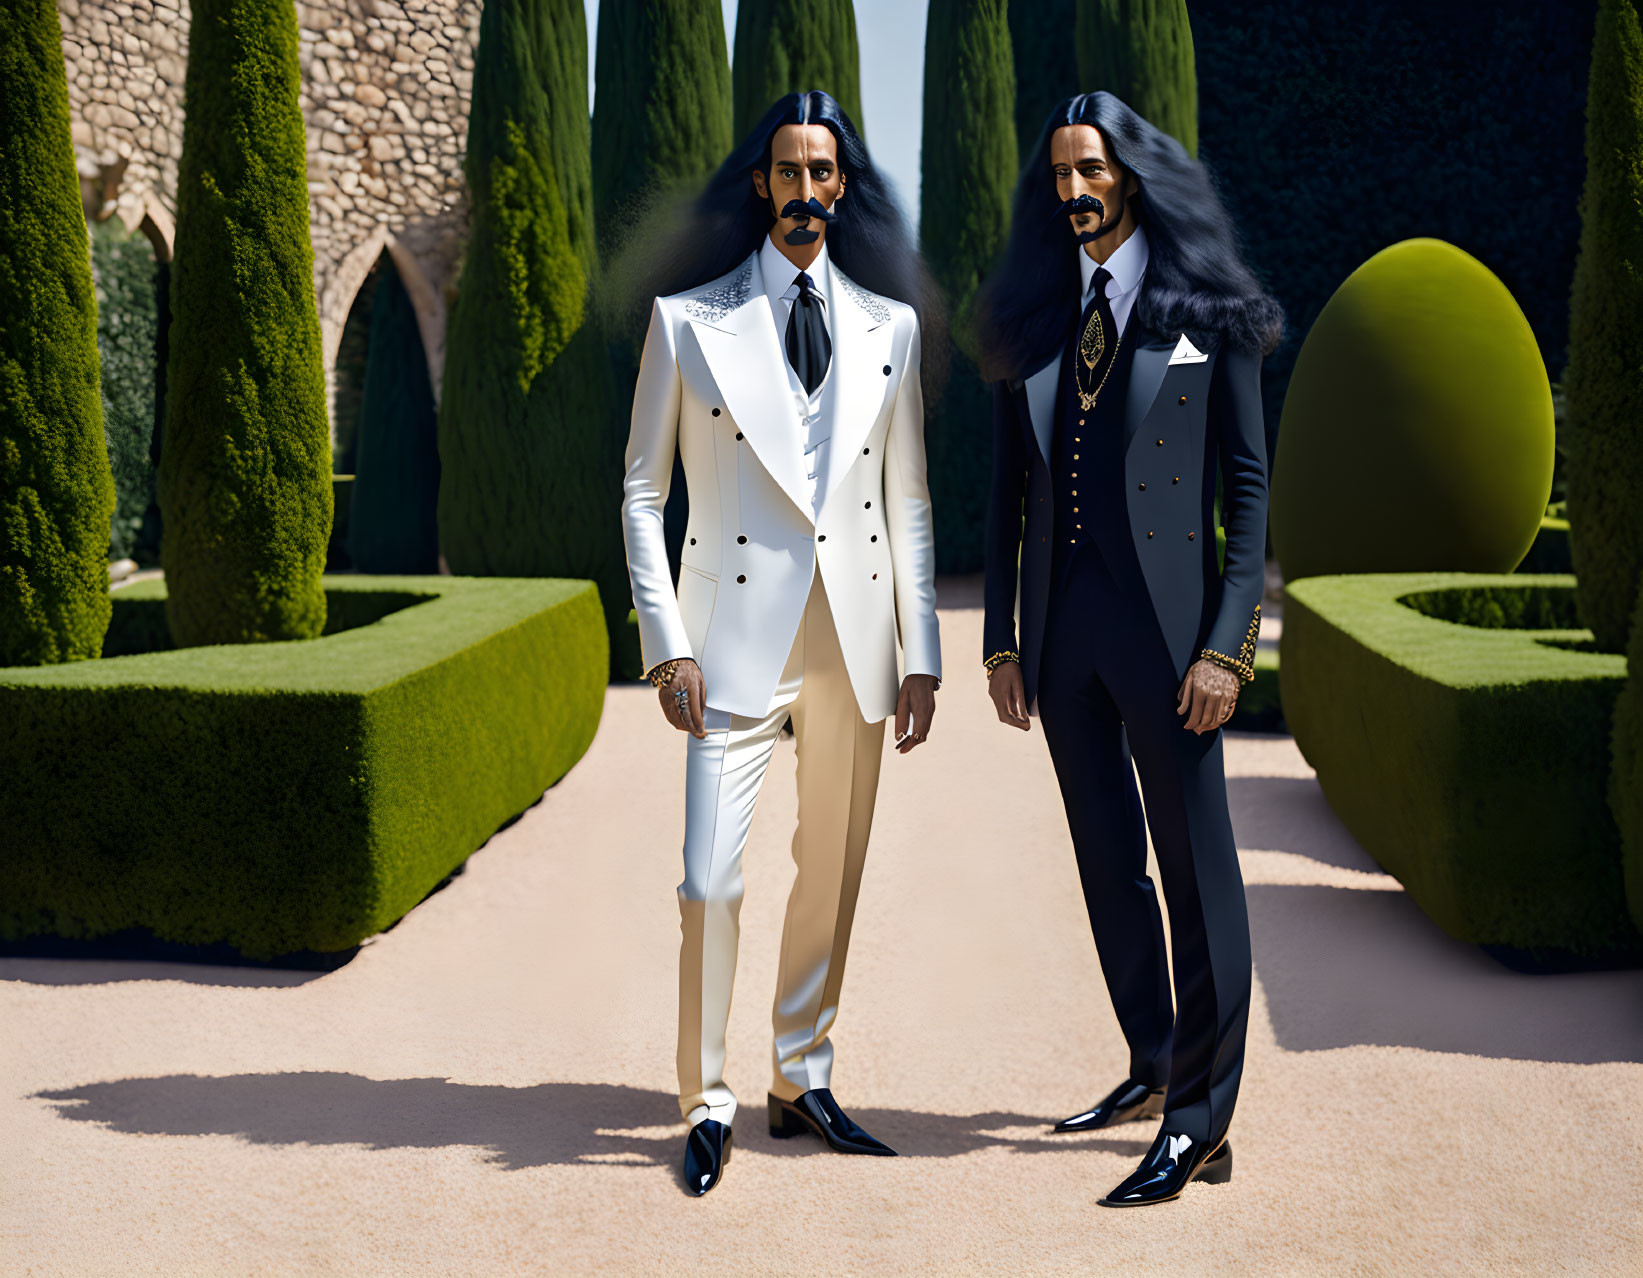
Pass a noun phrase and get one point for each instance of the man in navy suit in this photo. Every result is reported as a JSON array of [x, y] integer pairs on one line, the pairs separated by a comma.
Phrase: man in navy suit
[[1125, 336]]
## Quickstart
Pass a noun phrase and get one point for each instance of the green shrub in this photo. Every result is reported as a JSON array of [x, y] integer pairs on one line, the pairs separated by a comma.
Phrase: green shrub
[[1141, 51], [245, 471], [289, 797], [659, 65], [793, 46], [531, 467], [1604, 382], [392, 527], [1469, 762], [969, 146], [123, 266], [1417, 435], [56, 493]]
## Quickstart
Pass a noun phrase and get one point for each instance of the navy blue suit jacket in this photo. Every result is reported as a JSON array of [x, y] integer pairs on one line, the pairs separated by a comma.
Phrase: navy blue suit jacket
[[1182, 422]]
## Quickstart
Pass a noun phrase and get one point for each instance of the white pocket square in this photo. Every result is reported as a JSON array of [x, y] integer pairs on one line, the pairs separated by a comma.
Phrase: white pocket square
[[1186, 353]]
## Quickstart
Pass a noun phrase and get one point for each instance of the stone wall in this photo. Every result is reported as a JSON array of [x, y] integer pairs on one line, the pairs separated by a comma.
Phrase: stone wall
[[385, 92]]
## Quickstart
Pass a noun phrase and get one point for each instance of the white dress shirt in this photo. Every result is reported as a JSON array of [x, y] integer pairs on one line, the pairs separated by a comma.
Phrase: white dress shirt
[[1127, 266], [781, 286]]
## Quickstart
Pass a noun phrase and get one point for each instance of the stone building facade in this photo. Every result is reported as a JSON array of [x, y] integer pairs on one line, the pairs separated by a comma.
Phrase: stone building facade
[[385, 91]]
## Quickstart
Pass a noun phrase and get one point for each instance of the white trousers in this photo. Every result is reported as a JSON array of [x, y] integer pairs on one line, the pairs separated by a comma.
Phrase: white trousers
[[838, 776]]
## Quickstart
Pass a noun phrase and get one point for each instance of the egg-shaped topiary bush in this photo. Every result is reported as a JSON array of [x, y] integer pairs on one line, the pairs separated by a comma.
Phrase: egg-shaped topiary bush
[[1417, 431]]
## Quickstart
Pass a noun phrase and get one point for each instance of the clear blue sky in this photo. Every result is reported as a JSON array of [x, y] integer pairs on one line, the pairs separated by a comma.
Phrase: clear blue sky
[[891, 36]]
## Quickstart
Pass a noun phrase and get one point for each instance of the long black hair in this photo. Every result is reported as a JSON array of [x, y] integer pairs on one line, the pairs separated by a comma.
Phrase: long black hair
[[868, 239], [1196, 282]]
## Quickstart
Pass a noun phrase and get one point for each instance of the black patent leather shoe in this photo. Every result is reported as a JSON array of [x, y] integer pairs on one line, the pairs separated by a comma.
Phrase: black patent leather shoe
[[1126, 1103], [707, 1149], [816, 1111], [1173, 1162]]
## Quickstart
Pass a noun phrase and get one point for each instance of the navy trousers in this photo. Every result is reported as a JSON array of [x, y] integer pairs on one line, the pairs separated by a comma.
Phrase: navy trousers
[[1106, 679]]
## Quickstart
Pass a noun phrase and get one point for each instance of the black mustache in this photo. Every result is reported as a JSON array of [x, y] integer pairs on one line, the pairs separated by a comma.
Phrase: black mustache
[[810, 208], [1082, 204], [1088, 204]]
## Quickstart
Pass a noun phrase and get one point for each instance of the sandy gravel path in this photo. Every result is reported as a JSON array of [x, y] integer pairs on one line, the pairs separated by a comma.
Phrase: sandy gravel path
[[488, 1088]]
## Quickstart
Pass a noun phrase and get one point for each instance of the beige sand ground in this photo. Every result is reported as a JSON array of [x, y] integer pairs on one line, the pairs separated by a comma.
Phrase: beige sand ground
[[487, 1089]]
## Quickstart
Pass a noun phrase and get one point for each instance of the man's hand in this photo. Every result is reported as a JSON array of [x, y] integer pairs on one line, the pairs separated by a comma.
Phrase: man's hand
[[688, 679], [915, 707], [1009, 695], [1209, 694]]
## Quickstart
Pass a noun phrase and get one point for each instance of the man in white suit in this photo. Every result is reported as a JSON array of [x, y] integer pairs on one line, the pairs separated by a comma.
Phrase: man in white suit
[[791, 392]]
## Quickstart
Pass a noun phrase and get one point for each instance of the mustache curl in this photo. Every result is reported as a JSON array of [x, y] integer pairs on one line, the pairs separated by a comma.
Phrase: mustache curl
[[805, 208], [1087, 204]]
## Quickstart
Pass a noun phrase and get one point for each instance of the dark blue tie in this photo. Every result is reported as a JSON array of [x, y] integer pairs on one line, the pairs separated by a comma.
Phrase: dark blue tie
[[809, 350]]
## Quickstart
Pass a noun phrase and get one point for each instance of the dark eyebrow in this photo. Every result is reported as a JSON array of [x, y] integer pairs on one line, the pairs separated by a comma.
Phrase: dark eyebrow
[[1089, 159]]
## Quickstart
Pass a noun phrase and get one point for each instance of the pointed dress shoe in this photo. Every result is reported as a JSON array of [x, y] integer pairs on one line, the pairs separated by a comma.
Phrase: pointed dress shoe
[[706, 1150], [1126, 1103], [1174, 1161], [816, 1111]]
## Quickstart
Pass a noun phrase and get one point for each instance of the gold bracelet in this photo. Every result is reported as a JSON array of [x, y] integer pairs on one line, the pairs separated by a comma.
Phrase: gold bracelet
[[1242, 669], [998, 659], [661, 675]]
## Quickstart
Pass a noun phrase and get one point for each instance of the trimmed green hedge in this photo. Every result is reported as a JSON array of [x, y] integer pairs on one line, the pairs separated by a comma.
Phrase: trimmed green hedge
[[1471, 761], [289, 797]]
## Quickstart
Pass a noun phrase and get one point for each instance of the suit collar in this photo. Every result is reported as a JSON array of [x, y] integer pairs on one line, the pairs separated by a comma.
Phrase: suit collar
[[738, 337], [780, 275], [734, 328], [1127, 265]]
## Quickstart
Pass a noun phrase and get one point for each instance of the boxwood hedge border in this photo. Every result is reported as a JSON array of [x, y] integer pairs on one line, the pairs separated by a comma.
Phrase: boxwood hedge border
[[288, 798], [1468, 753]]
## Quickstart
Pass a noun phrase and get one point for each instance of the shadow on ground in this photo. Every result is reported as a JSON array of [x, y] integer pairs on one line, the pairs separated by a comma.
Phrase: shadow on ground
[[1344, 966], [1290, 814], [517, 1127]]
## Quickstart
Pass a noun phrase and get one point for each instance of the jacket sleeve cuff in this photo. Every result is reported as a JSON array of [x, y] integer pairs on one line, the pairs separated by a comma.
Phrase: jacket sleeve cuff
[[1241, 663]]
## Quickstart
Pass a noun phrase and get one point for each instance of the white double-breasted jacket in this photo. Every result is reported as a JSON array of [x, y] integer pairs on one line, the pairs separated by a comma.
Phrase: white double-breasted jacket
[[713, 385]]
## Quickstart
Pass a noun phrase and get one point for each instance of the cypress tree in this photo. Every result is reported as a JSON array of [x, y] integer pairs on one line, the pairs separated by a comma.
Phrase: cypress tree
[[123, 266], [970, 151], [245, 473], [530, 471], [1141, 50], [1042, 34], [391, 525], [662, 119], [792, 46], [56, 493], [1603, 385]]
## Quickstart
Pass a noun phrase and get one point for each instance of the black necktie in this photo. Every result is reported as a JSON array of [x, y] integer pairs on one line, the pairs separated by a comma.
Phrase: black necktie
[[1097, 342], [808, 348]]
